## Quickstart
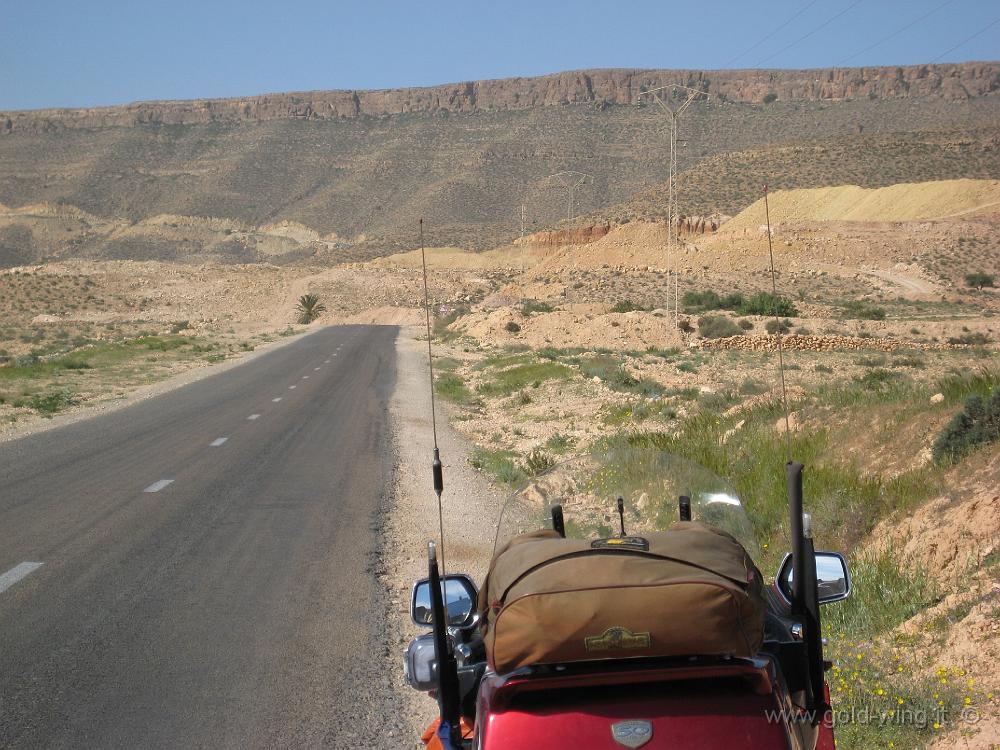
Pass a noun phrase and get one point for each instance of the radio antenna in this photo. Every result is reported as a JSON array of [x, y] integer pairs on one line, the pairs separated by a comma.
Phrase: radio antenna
[[436, 467], [777, 331]]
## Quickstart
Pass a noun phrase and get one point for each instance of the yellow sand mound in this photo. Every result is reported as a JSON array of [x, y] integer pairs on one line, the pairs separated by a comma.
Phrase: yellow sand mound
[[911, 201]]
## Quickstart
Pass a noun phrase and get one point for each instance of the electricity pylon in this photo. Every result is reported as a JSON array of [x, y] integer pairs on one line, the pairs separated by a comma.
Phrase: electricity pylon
[[675, 113], [570, 180]]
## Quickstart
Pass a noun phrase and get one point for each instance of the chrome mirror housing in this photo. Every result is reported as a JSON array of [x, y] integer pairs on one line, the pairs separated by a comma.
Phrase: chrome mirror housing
[[420, 664], [460, 597]]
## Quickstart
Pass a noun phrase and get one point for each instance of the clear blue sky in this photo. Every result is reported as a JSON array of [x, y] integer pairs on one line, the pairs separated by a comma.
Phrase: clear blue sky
[[94, 52]]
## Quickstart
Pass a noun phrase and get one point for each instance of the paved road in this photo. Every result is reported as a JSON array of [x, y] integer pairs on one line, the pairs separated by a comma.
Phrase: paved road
[[234, 606]]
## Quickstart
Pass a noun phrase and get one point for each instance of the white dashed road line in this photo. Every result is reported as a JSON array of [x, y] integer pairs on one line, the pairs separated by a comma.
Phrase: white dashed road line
[[276, 400], [16, 573], [253, 417], [305, 377], [157, 486], [217, 442], [292, 387], [316, 369]]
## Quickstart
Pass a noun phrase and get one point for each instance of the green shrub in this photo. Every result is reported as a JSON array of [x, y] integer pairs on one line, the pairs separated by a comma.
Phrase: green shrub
[[512, 327], [626, 306], [770, 97], [766, 303], [50, 403], [977, 424], [452, 388], [970, 339], [859, 309], [537, 463], [746, 325], [717, 327], [499, 463], [777, 326], [694, 302], [530, 306], [979, 280]]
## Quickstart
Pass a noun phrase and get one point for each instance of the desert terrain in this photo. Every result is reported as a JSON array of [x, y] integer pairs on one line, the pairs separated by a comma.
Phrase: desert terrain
[[163, 264]]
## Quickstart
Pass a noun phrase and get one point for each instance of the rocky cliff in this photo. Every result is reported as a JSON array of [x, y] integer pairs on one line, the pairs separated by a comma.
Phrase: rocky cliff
[[601, 88]]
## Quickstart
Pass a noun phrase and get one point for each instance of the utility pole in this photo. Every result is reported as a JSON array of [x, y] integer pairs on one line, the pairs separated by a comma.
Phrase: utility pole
[[522, 221], [675, 112]]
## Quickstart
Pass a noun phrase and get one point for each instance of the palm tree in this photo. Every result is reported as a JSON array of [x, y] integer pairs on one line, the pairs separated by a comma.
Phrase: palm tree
[[309, 308]]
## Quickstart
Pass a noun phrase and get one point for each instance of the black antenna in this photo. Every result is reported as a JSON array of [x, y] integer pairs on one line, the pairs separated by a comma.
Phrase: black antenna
[[777, 332], [436, 466], [621, 513]]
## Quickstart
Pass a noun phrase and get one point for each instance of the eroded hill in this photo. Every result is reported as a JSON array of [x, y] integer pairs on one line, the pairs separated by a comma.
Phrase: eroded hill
[[467, 157]]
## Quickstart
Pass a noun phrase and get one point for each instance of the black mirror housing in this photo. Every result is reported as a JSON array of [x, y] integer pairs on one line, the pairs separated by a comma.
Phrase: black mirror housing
[[833, 578]]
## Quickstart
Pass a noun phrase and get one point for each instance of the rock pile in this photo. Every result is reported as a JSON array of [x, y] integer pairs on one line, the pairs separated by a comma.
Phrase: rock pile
[[820, 344]]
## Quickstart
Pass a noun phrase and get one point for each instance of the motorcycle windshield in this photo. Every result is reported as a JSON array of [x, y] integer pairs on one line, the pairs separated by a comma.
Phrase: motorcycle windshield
[[650, 484]]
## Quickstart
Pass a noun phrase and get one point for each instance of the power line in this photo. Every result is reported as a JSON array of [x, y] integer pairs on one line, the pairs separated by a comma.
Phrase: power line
[[896, 33], [809, 34], [968, 39], [773, 32]]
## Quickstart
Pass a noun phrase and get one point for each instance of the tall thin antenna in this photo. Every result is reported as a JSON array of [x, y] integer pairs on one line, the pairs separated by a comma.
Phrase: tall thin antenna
[[436, 466], [777, 331]]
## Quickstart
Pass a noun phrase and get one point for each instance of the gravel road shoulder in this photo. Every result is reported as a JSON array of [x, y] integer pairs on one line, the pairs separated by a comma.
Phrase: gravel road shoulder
[[470, 507]]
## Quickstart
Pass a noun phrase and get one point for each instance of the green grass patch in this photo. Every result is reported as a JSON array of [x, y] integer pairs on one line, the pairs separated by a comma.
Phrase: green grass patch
[[559, 443], [501, 464], [452, 387], [517, 377], [611, 371], [882, 597]]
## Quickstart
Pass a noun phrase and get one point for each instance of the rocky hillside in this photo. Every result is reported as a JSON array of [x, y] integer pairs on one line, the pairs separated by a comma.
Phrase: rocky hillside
[[358, 169], [601, 87]]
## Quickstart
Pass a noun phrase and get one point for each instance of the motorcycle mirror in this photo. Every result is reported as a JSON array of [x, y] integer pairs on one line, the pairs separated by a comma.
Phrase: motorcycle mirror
[[460, 595], [833, 578]]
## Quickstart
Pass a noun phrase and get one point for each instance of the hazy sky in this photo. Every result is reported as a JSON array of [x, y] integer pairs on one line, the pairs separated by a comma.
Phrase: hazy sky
[[93, 52]]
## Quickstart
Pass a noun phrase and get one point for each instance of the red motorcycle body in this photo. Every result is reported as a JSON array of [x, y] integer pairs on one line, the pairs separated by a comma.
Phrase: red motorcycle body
[[710, 708]]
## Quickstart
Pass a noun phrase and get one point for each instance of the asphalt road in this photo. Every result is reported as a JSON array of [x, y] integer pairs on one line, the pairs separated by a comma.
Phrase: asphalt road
[[235, 605]]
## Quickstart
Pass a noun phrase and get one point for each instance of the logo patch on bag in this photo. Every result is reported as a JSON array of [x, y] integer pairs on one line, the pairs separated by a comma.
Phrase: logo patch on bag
[[621, 542], [632, 733], [615, 639]]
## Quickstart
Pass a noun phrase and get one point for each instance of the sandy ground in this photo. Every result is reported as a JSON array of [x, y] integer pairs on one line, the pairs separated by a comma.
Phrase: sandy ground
[[470, 507]]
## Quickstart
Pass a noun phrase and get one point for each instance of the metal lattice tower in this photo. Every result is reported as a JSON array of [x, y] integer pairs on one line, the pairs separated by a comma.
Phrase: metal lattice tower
[[675, 113]]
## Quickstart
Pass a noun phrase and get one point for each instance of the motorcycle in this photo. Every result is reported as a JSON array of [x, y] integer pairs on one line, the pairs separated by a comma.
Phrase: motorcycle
[[623, 609]]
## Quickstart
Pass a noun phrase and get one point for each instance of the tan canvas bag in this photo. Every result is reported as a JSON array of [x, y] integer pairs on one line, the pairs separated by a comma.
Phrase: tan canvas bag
[[690, 590]]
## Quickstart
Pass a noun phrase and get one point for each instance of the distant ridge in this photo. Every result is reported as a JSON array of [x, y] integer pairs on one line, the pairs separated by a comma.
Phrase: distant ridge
[[951, 82]]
